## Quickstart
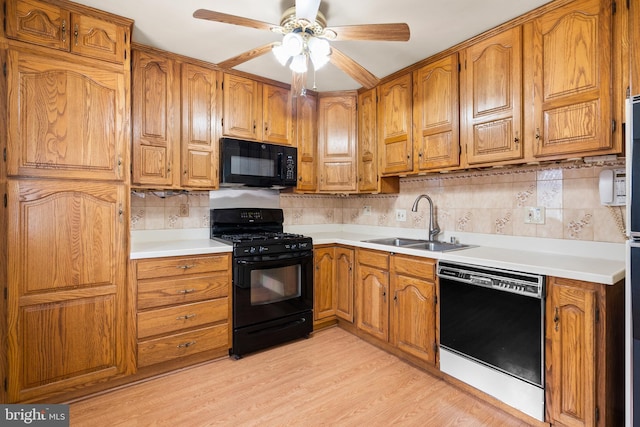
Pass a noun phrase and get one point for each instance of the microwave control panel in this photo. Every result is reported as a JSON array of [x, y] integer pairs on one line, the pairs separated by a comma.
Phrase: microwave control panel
[[290, 168]]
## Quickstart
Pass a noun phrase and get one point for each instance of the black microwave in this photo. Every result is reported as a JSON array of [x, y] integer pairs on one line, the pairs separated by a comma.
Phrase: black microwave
[[257, 164]]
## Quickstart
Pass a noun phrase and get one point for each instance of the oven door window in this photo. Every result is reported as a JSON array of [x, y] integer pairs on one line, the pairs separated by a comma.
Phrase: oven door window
[[267, 288], [275, 284]]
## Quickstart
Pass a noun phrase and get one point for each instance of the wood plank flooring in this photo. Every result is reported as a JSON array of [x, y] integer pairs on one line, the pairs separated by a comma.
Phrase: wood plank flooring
[[331, 379]]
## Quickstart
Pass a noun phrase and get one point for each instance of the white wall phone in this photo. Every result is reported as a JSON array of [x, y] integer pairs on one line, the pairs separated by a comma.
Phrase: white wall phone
[[613, 188]]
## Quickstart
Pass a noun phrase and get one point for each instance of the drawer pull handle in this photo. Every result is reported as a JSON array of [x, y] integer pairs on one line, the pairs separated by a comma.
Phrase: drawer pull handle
[[186, 317], [186, 344], [186, 267], [186, 291]]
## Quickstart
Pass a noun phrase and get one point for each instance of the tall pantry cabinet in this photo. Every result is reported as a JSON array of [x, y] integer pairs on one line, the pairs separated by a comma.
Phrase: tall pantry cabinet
[[65, 168]]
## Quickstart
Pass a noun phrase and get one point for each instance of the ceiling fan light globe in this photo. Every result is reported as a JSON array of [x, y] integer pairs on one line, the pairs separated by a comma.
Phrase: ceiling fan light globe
[[299, 64], [281, 55], [319, 46], [293, 44], [318, 61]]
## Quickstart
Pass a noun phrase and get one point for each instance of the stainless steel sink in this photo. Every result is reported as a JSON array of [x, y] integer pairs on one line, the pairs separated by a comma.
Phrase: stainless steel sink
[[428, 245], [396, 241]]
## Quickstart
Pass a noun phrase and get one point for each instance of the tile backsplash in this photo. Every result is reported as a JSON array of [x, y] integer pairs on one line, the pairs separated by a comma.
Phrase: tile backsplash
[[494, 201]]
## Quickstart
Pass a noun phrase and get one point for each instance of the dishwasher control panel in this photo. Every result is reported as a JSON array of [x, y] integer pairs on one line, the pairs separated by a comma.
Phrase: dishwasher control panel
[[505, 280]]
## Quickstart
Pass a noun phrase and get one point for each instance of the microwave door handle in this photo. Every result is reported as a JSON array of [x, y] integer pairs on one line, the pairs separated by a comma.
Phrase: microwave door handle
[[280, 166]]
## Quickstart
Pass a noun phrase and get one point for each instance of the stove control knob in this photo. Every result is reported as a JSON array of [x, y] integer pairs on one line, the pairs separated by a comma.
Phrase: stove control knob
[[263, 249], [252, 250]]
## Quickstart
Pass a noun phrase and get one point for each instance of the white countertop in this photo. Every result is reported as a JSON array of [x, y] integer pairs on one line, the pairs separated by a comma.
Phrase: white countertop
[[589, 261]]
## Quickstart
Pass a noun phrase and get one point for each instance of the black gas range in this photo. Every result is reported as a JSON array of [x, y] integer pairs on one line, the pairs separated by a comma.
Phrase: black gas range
[[272, 277]]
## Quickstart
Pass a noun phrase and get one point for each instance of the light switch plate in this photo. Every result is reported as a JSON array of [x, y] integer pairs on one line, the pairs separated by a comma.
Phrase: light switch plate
[[401, 215], [534, 215]]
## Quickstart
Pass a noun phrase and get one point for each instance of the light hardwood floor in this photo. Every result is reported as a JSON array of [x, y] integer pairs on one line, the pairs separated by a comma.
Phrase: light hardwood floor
[[332, 379]]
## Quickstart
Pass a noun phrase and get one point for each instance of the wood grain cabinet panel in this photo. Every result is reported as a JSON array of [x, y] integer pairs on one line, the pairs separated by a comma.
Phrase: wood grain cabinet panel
[[156, 118], [66, 120], [66, 285], [367, 142], [50, 25], [491, 97], [242, 108], [395, 143], [307, 142], [572, 52], [333, 283], [184, 316], [436, 140], [337, 143], [277, 112], [344, 282]]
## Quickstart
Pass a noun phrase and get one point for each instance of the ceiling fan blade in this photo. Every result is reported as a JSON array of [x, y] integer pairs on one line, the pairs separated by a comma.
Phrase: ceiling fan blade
[[307, 9], [232, 19], [376, 32], [356, 71], [246, 56]]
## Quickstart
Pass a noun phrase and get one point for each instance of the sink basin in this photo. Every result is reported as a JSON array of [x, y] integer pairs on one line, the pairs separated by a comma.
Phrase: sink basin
[[428, 245], [396, 241]]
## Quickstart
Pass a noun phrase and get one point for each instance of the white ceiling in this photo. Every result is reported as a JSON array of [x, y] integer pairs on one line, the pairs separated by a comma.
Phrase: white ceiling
[[434, 25]]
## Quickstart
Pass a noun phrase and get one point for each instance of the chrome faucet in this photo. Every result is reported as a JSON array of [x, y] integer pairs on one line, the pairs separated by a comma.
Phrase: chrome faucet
[[434, 230]]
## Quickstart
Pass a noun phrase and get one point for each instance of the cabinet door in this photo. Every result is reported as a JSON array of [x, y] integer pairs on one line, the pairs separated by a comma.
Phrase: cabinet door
[[277, 114], [491, 95], [571, 333], [394, 125], [337, 143], [324, 296], [97, 38], [199, 154], [372, 301], [156, 114], [66, 120], [38, 22], [306, 113], [344, 283], [367, 142], [571, 48], [67, 285], [242, 111], [435, 115]]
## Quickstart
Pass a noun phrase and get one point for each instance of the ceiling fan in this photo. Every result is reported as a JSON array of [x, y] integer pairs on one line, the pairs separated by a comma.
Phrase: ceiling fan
[[306, 38]]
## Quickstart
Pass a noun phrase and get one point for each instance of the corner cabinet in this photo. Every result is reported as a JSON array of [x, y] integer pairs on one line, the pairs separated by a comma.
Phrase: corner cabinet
[[333, 284], [491, 99], [571, 47], [175, 122], [396, 302], [67, 294], [584, 353], [337, 162]]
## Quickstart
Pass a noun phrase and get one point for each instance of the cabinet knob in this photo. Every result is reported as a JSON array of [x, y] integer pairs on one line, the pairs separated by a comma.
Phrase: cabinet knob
[[538, 136], [75, 34], [556, 318], [64, 30], [186, 344]]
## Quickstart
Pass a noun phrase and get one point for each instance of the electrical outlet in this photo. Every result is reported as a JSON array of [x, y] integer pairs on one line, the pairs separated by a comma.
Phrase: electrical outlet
[[184, 210], [534, 215], [366, 210], [401, 215]]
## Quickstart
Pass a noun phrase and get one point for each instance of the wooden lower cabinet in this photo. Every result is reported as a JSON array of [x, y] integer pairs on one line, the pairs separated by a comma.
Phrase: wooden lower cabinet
[[584, 353], [333, 284], [395, 300], [183, 308]]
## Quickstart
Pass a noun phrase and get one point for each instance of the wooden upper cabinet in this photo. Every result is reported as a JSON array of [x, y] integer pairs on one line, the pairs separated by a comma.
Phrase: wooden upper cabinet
[[306, 123], [53, 26], [199, 145], [337, 143], [66, 120], [394, 125], [156, 119], [436, 141], [367, 142], [491, 98], [277, 115], [242, 110], [572, 54]]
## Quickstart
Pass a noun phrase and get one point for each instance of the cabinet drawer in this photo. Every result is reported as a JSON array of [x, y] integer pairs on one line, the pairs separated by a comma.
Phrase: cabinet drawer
[[164, 267], [374, 259], [423, 268], [185, 316], [185, 344], [160, 292]]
